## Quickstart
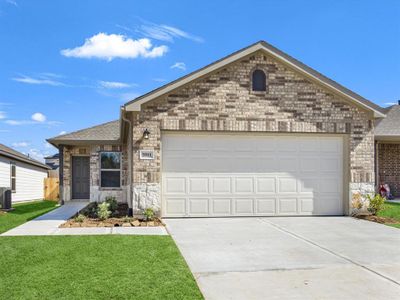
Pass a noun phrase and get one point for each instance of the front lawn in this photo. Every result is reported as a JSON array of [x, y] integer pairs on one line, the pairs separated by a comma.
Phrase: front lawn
[[24, 212], [391, 210], [94, 267]]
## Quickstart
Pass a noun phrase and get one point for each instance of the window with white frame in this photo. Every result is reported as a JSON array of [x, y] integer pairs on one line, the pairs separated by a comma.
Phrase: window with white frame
[[110, 169], [13, 176]]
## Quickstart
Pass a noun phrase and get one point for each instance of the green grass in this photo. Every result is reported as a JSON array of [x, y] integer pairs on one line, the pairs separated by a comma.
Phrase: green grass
[[391, 210], [24, 212], [94, 267]]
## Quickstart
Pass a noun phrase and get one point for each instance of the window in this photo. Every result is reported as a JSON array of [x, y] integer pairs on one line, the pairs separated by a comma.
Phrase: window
[[110, 169], [13, 177], [259, 81]]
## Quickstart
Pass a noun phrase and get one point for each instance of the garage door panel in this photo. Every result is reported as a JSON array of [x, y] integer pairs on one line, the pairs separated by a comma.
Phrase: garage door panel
[[265, 206], [228, 175], [176, 206], [199, 206], [221, 185], [265, 185], [175, 185], [287, 206], [243, 185], [306, 205], [221, 206], [287, 185], [244, 206], [198, 185]]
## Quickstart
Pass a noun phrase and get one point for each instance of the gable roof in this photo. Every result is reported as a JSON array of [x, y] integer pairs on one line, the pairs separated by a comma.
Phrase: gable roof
[[389, 127], [106, 133], [16, 155], [135, 104]]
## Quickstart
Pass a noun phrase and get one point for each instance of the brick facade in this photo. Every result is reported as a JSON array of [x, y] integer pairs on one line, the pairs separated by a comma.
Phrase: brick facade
[[93, 151], [389, 166], [223, 101]]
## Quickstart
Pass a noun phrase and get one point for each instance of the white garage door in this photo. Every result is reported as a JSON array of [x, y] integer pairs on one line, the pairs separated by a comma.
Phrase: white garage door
[[246, 175]]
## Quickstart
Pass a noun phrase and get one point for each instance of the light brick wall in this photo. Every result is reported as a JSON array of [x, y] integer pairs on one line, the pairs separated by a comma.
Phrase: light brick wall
[[223, 101], [389, 166], [93, 151]]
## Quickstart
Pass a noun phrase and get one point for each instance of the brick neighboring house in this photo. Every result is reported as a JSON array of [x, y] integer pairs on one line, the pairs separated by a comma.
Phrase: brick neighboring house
[[254, 133], [387, 148]]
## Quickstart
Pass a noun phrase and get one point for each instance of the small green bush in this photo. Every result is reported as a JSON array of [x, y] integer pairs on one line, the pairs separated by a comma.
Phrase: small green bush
[[112, 202], [103, 211], [376, 203], [149, 214], [80, 218]]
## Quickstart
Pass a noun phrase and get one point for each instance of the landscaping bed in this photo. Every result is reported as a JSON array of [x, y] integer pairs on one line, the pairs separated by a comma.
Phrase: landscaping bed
[[90, 216]]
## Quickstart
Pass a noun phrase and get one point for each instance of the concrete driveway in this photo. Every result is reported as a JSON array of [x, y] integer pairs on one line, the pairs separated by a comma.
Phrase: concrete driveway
[[290, 258]]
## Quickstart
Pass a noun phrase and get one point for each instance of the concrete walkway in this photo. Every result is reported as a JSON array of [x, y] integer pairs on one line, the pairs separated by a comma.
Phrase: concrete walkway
[[48, 225], [290, 258]]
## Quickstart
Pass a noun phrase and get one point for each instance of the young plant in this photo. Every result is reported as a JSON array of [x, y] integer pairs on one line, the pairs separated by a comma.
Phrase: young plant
[[376, 203], [80, 218], [112, 202], [149, 214], [103, 211]]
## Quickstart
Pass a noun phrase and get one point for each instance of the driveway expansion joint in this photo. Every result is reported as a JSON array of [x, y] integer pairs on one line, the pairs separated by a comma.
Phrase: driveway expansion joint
[[299, 237]]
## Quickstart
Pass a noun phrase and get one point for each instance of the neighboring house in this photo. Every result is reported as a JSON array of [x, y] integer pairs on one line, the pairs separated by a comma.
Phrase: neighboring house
[[24, 175], [387, 139], [53, 161], [254, 133]]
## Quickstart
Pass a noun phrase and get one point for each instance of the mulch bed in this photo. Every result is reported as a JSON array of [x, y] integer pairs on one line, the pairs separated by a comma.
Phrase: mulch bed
[[118, 219], [381, 220]]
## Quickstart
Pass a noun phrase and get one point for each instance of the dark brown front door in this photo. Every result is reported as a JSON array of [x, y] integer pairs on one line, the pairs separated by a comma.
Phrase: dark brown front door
[[80, 177]]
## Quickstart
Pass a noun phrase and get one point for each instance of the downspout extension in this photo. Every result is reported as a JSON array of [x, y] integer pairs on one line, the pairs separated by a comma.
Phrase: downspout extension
[[130, 163]]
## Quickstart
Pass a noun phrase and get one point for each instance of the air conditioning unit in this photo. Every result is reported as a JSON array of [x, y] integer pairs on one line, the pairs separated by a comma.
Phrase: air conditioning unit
[[5, 198]]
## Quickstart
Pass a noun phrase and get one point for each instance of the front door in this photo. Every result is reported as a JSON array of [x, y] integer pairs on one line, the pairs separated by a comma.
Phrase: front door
[[80, 177]]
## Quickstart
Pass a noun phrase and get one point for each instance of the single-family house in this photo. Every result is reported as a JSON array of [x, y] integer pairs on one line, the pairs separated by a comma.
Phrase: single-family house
[[256, 133], [22, 174]]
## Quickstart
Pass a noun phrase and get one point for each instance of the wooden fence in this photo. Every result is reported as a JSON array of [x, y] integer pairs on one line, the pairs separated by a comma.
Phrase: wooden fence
[[51, 189]]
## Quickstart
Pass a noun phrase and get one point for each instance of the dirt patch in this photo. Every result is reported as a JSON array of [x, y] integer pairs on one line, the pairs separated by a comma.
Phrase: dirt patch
[[118, 218], [381, 220]]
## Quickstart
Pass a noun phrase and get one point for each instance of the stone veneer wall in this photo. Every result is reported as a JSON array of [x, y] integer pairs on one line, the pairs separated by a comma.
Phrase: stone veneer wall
[[96, 192], [223, 101], [389, 166]]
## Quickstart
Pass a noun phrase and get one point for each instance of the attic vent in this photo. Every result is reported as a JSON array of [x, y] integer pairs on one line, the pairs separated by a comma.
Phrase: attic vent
[[146, 154]]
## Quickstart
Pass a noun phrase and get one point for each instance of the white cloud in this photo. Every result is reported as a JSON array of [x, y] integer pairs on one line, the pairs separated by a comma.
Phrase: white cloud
[[21, 144], [114, 84], [179, 65], [36, 154], [38, 117], [62, 132], [47, 145], [40, 80], [159, 79], [390, 103], [2, 115], [12, 2], [17, 122], [110, 46], [166, 33]]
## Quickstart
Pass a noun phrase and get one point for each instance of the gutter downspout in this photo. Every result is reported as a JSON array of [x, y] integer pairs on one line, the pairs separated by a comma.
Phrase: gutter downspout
[[130, 162]]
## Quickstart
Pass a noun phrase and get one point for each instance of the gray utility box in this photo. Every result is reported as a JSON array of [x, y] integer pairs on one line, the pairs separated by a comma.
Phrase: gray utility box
[[5, 198]]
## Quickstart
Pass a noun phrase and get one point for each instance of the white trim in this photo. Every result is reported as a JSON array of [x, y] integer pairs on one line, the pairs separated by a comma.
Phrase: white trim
[[136, 105]]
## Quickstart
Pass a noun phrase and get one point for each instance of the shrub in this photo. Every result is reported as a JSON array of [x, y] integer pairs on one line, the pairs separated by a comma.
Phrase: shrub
[[112, 202], [103, 211], [357, 201], [149, 214], [80, 218], [376, 203]]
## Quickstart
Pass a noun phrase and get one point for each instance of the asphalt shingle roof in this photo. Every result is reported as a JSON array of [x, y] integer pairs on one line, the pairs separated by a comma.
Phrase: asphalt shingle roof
[[14, 154], [389, 126], [104, 132]]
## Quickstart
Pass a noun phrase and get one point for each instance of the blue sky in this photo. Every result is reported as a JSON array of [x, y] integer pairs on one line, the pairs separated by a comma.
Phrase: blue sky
[[67, 65]]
